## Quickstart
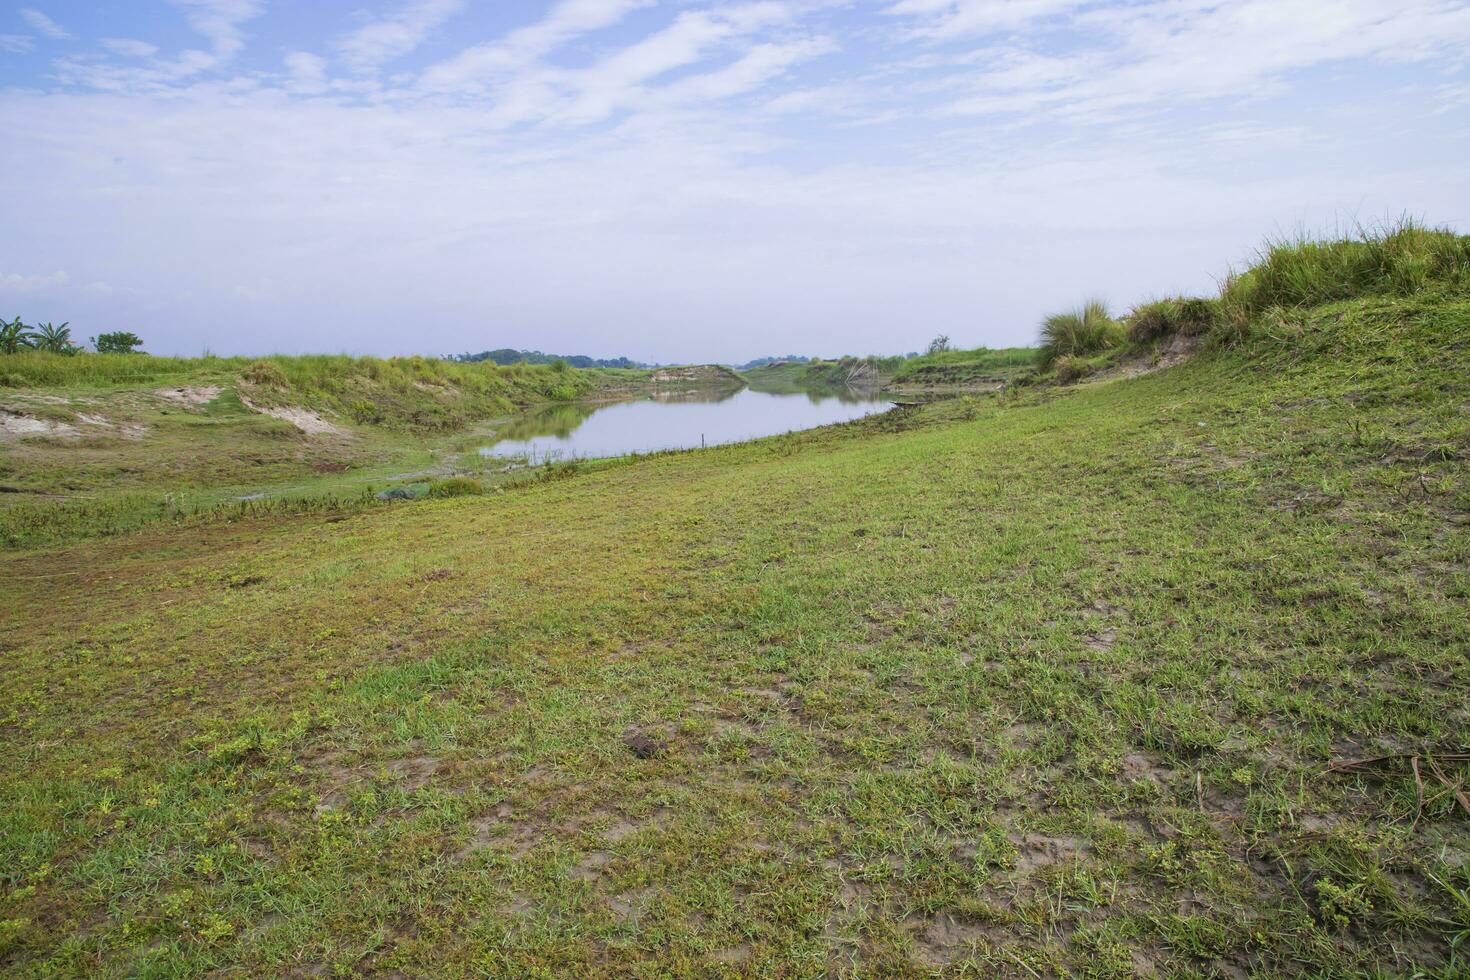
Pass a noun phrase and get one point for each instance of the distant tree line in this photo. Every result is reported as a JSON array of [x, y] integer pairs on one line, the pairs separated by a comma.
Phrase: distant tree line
[[16, 336], [507, 356]]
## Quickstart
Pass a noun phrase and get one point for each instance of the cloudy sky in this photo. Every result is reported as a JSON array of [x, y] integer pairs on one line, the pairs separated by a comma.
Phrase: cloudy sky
[[686, 180]]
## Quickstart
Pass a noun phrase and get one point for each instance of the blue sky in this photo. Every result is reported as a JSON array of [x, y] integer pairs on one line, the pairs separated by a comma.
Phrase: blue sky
[[678, 180]]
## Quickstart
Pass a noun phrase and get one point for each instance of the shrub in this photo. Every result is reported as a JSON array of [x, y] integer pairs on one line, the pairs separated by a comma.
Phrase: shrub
[[1162, 318], [456, 486], [265, 374], [1086, 330], [118, 342], [1391, 260]]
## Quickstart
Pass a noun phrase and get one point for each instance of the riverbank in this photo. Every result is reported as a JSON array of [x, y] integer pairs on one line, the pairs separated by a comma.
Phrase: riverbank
[[1152, 675], [102, 444]]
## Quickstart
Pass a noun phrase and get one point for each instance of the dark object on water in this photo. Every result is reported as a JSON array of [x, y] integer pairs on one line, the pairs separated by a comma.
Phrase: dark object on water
[[641, 745]]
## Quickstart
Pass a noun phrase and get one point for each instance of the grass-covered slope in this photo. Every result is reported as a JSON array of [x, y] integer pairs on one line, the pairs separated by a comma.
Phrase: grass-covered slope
[[404, 393], [841, 372], [99, 443], [978, 368], [1003, 686]]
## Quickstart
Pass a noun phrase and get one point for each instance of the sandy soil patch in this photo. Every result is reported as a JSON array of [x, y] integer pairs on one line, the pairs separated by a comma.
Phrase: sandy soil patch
[[307, 421], [17, 425], [190, 396]]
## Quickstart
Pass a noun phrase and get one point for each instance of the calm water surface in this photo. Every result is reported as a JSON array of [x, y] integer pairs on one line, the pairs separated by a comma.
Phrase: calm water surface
[[581, 431]]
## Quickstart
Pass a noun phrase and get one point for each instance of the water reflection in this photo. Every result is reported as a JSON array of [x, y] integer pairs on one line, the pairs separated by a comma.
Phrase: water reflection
[[678, 420]]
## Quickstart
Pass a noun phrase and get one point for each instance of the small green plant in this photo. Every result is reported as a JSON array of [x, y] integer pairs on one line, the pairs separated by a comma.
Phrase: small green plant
[[1341, 905], [118, 342], [456, 486], [14, 336], [1089, 329]]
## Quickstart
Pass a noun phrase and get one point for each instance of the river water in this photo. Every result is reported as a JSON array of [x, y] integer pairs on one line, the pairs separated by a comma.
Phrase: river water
[[683, 421]]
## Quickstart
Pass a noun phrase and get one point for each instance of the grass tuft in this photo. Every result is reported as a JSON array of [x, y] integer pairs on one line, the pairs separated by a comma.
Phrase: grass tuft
[[1187, 316], [456, 486], [1089, 329], [1398, 259]]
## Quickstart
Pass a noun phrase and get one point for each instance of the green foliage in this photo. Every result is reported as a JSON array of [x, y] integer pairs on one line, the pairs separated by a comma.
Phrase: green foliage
[[456, 486], [1186, 316], [265, 374], [117, 342], [1089, 329], [939, 344], [14, 336], [962, 367], [57, 340]]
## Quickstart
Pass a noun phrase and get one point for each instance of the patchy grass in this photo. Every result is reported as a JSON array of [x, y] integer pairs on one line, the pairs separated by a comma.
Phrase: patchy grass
[[1040, 683]]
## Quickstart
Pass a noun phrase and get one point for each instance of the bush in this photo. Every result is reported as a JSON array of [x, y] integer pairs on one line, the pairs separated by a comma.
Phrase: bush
[[265, 374], [1162, 318], [456, 486], [118, 342], [1392, 260], [1086, 330]]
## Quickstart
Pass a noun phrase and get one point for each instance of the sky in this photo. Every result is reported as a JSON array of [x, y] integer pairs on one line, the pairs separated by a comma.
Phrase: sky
[[674, 180]]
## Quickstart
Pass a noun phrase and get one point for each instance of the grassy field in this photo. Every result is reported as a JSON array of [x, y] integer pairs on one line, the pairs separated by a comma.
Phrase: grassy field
[[1043, 683], [116, 442]]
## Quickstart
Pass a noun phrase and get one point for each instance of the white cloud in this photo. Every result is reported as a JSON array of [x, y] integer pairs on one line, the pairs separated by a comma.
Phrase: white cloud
[[44, 25], [308, 71], [14, 282], [220, 22], [1168, 52], [129, 47], [473, 67], [947, 19], [16, 43], [382, 40]]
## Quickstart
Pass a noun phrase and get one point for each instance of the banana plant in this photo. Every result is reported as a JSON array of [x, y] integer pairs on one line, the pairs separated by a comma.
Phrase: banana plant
[[56, 339], [14, 336]]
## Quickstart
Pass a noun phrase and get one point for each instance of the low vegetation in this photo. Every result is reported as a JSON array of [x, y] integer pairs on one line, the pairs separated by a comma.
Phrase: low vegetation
[[1089, 329], [841, 372], [1159, 676], [963, 368]]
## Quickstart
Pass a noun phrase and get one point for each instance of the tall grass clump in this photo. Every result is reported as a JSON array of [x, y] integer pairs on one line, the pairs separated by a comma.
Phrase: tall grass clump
[[1398, 259], [1089, 329], [1186, 316]]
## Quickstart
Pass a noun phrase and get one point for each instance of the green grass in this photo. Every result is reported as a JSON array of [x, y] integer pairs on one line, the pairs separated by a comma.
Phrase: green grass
[[1397, 259], [1161, 319], [963, 368], [1041, 683]]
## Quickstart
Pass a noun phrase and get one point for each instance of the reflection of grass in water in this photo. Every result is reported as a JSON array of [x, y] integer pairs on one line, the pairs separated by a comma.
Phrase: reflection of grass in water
[[558, 420], [817, 392]]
